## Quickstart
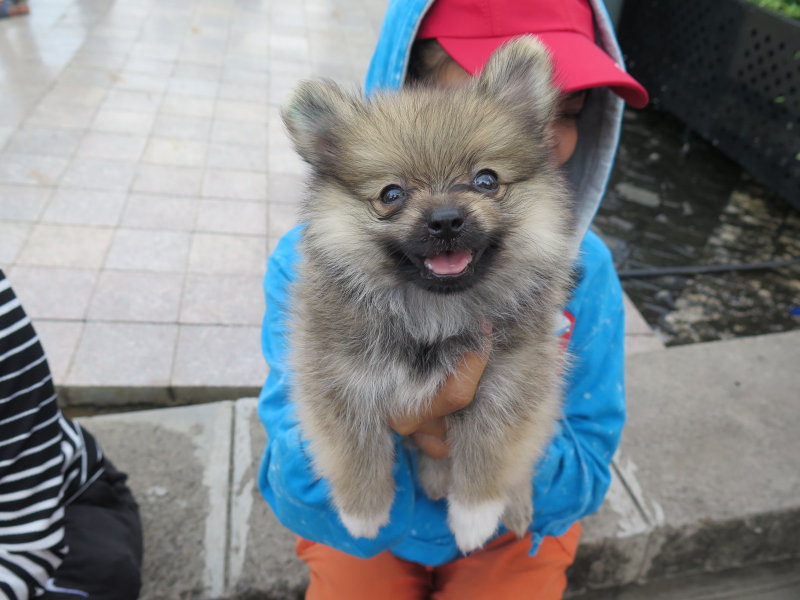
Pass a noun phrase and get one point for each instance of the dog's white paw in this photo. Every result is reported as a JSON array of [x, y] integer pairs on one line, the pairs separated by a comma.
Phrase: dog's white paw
[[473, 524], [364, 526]]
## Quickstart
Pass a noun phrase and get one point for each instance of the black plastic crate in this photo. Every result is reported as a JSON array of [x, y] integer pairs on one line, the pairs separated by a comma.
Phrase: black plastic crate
[[731, 71]]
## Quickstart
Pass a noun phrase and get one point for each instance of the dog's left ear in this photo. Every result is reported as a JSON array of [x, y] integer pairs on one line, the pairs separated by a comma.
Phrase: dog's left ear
[[521, 73]]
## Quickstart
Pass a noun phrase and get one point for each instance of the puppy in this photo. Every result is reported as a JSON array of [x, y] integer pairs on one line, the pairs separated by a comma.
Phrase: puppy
[[430, 213]]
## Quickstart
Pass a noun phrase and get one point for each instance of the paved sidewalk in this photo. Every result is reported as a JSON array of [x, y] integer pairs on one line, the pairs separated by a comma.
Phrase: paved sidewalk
[[706, 480], [145, 175]]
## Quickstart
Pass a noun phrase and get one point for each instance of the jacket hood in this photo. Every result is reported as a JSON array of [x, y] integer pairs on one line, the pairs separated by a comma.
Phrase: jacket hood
[[598, 127]]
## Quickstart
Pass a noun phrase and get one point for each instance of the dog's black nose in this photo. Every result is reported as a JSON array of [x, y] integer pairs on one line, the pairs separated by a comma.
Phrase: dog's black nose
[[446, 222]]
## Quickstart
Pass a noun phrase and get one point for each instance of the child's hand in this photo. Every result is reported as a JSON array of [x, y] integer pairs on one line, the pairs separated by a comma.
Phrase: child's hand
[[428, 430]]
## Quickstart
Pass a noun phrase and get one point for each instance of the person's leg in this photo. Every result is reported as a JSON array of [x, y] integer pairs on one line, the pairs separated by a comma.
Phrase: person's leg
[[334, 575], [503, 570], [104, 534], [13, 8]]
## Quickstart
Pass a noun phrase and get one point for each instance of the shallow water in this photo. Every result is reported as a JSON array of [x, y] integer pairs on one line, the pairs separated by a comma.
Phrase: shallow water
[[674, 200]]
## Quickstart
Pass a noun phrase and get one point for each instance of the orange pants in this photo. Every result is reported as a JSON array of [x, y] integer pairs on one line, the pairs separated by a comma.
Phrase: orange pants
[[502, 570]]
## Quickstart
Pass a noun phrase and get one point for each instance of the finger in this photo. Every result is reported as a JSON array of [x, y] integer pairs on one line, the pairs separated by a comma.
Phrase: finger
[[404, 425], [435, 427], [433, 446], [459, 388], [457, 391]]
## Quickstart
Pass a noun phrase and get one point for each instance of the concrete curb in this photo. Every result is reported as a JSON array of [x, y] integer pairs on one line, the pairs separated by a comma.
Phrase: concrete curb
[[705, 480]]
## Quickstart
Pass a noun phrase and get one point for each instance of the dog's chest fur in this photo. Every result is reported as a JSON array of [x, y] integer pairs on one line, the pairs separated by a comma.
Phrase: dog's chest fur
[[373, 354], [427, 359]]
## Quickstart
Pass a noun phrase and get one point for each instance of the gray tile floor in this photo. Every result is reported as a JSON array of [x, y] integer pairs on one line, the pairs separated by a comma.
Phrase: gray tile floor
[[145, 175]]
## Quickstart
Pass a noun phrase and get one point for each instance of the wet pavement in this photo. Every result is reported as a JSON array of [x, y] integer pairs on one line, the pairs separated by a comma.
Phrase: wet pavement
[[145, 175], [673, 201]]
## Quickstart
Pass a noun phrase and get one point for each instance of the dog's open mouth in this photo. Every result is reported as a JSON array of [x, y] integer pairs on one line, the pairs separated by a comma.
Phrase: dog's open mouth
[[444, 268], [449, 264], [450, 271]]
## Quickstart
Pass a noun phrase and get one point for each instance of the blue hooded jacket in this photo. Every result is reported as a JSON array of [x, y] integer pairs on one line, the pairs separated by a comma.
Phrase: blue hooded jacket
[[572, 477]]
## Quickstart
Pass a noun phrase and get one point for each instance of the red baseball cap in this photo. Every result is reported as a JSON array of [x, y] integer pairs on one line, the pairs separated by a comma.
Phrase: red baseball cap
[[471, 30]]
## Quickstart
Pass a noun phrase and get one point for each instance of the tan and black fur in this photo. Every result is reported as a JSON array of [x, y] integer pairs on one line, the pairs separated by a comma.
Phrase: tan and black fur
[[375, 330]]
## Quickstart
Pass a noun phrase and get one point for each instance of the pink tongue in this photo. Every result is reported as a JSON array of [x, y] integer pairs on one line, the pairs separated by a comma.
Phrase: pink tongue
[[449, 263]]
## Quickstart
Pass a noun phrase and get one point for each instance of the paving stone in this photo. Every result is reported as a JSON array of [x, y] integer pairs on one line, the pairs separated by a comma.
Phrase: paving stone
[[95, 173], [282, 217], [31, 169], [241, 111], [123, 121], [54, 293], [244, 92], [234, 73], [173, 126], [23, 202], [232, 216], [44, 140], [5, 133], [89, 58], [144, 82], [131, 360], [236, 185], [215, 356], [286, 189], [178, 462], [217, 253], [203, 88], [138, 101], [190, 106], [148, 250], [223, 299], [175, 151], [227, 131], [66, 246], [152, 211], [12, 239], [157, 179], [136, 296], [149, 65], [85, 207], [286, 162], [59, 340], [198, 72], [235, 156], [83, 95], [113, 146], [66, 116]]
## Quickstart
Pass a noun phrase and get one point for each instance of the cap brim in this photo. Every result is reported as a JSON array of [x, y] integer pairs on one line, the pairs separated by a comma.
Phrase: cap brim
[[579, 63]]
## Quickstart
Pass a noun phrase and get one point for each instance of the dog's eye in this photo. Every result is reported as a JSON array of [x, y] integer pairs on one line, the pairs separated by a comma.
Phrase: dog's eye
[[392, 194], [486, 180]]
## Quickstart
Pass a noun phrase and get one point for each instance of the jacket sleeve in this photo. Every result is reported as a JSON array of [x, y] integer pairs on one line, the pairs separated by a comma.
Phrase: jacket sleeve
[[31, 462], [298, 497], [573, 477]]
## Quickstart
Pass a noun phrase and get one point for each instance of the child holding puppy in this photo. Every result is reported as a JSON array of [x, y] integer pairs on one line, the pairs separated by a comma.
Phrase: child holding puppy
[[414, 555]]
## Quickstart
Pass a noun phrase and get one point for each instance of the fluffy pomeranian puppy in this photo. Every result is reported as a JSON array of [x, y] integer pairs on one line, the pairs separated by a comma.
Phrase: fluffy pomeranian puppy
[[430, 213]]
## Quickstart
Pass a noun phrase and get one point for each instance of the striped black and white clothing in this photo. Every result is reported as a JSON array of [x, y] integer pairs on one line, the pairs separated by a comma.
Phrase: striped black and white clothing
[[45, 459]]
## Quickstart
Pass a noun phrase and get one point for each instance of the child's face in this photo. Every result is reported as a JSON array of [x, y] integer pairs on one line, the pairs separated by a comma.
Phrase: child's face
[[570, 106]]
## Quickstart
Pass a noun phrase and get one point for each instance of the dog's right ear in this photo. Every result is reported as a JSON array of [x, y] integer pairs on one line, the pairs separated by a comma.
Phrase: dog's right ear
[[315, 112]]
